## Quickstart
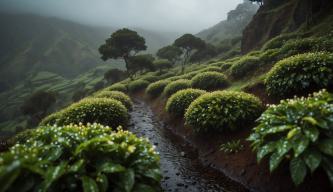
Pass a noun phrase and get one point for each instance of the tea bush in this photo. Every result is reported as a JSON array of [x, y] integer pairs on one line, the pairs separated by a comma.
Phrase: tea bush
[[175, 86], [209, 81], [94, 110], [80, 158], [300, 75], [180, 101], [298, 131], [117, 87], [245, 65], [150, 78], [51, 119], [137, 85], [156, 89], [223, 110], [117, 95], [211, 69]]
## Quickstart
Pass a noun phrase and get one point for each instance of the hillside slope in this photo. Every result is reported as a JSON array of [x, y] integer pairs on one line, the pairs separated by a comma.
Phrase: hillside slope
[[233, 26]]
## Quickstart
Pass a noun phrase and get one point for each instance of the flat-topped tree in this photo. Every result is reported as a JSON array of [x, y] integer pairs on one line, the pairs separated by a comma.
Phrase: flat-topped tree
[[171, 53], [189, 43], [124, 44]]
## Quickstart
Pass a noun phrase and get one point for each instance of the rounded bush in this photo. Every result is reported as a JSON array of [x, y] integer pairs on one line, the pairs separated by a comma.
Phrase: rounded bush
[[80, 158], [211, 69], [117, 95], [151, 78], [223, 110], [298, 131], [180, 101], [51, 119], [175, 86], [245, 65], [156, 89], [210, 81], [300, 75], [137, 85], [95, 110], [117, 87]]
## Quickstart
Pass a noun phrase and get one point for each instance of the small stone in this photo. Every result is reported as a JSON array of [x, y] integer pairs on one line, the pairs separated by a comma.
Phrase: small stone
[[180, 184], [182, 153], [177, 174]]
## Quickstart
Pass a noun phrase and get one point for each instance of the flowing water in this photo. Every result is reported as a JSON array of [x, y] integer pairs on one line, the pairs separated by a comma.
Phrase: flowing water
[[181, 168]]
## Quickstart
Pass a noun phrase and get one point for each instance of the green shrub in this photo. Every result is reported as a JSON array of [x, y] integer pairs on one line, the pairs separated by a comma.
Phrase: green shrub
[[299, 131], [300, 75], [311, 44], [80, 158], [117, 95], [117, 87], [94, 110], [51, 119], [244, 66], [269, 56], [156, 89], [223, 110], [137, 85], [225, 66], [279, 41], [211, 69], [180, 101], [150, 78], [210, 81], [175, 86]]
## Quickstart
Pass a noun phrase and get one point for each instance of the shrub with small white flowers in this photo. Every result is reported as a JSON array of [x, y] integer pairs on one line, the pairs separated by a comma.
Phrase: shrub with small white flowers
[[299, 131], [80, 158]]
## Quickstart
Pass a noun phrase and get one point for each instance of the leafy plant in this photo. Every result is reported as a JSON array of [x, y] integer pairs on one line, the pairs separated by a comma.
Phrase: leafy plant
[[117, 87], [80, 158], [300, 75], [233, 146], [156, 89], [117, 95], [137, 85], [209, 81], [299, 131], [180, 101], [245, 65], [93, 110], [223, 110], [175, 86]]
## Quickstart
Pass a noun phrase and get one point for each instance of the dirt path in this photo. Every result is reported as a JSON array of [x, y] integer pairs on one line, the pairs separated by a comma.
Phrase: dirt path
[[182, 171]]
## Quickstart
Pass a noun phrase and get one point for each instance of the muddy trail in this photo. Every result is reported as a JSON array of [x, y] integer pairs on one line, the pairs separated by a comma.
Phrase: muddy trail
[[181, 168]]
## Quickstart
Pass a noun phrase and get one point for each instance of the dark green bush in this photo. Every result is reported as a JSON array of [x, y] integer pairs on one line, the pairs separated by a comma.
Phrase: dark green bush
[[211, 69], [51, 119], [300, 75], [279, 41], [137, 85], [223, 110], [175, 86], [117, 87], [92, 110], [150, 78], [244, 66], [299, 131], [80, 158], [179, 102], [117, 95], [311, 44], [225, 66], [210, 81], [156, 89]]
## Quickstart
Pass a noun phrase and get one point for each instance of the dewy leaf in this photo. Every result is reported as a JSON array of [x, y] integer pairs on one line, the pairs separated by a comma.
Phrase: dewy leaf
[[53, 174], [311, 133], [300, 144], [154, 174], [328, 167], [312, 159], [89, 185], [265, 150], [326, 146], [274, 161], [9, 175], [54, 154], [110, 167], [102, 182], [297, 170], [310, 120], [127, 180]]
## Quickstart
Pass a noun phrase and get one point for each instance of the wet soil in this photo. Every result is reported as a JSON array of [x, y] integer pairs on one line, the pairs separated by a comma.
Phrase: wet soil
[[181, 167]]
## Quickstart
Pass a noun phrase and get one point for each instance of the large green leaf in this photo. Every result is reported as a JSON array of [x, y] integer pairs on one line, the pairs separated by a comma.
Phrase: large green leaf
[[143, 188], [297, 169], [127, 180], [55, 153], [312, 159], [312, 133], [103, 182], [326, 146], [89, 184], [300, 144], [110, 167], [52, 174], [274, 161], [265, 150], [328, 167], [153, 174], [9, 175]]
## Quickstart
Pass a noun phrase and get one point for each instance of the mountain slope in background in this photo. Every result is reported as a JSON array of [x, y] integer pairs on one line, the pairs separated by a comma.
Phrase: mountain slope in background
[[233, 26], [30, 44]]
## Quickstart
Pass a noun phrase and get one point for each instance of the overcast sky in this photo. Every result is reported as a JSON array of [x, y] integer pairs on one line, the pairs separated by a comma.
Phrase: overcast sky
[[165, 15]]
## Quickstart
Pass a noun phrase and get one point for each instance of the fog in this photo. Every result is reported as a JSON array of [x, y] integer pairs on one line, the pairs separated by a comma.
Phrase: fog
[[162, 15]]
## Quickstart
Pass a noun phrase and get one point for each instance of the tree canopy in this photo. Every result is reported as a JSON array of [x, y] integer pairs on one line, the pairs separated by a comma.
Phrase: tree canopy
[[171, 53]]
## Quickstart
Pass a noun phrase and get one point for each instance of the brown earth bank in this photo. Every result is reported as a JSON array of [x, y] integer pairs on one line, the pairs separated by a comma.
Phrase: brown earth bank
[[242, 166]]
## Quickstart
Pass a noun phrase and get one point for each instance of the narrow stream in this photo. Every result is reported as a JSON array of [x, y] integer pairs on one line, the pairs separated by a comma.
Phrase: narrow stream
[[181, 168]]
